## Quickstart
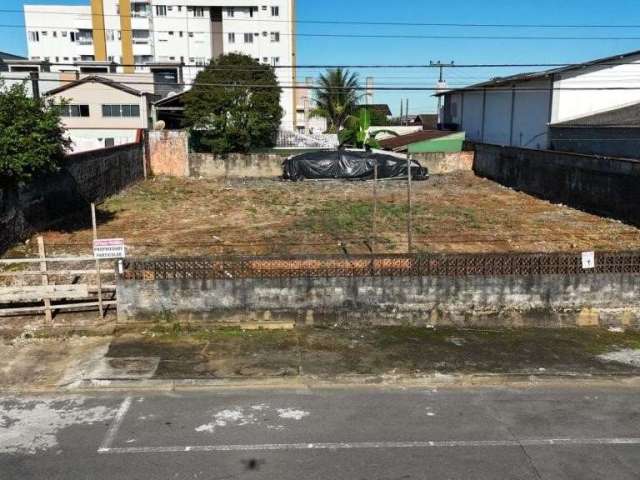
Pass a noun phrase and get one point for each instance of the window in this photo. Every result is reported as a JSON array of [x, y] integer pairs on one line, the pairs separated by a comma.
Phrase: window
[[275, 36], [232, 38], [55, 34], [231, 12], [265, 59], [64, 34], [170, 33], [248, 38], [120, 110], [181, 34], [191, 34], [75, 111], [73, 36], [252, 11], [161, 10], [111, 35], [109, 142], [44, 34], [275, 61], [197, 11], [275, 11], [34, 36], [140, 36]]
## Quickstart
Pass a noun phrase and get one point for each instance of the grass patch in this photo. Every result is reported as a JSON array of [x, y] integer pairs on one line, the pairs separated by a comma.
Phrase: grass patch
[[351, 217]]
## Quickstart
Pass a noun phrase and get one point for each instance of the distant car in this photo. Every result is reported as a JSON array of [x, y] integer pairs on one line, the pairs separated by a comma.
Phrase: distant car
[[350, 165]]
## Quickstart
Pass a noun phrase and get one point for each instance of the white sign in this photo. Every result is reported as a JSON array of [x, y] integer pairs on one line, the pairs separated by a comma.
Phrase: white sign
[[588, 260], [109, 248]]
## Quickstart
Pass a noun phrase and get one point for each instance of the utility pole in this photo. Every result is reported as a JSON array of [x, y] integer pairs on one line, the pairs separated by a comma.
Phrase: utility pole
[[442, 84], [406, 112]]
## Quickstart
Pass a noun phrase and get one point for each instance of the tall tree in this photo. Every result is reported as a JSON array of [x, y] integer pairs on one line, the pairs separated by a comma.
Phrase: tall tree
[[31, 135], [234, 105], [337, 97]]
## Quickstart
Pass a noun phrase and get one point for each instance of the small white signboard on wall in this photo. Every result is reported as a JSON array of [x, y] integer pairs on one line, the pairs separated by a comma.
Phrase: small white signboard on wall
[[106, 248], [588, 260]]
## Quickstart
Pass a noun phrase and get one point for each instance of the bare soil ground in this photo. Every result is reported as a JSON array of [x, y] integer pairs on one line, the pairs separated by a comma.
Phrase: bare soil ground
[[452, 213]]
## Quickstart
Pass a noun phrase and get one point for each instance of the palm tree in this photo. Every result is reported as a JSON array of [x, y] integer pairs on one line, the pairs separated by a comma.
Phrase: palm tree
[[337, 97]]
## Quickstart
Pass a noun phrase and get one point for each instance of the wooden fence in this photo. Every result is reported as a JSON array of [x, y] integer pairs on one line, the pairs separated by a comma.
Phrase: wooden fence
[[55, 284]]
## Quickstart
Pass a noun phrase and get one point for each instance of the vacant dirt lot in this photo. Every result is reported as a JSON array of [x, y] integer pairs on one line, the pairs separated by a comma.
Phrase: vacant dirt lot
[[452, 213]]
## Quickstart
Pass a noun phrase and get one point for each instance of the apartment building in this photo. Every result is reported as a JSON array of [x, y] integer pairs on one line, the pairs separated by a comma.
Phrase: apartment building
[[172, 39]]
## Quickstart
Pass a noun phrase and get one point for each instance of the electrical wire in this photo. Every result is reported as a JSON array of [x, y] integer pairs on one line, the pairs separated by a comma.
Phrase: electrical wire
[[342, 22], [370, 35], [314, 87]]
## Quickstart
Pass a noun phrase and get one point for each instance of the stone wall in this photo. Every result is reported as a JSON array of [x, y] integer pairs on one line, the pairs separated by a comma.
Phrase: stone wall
[[169, 153], [487, 301], [254, 165], [602, 185], [440, 163], [84, 178]]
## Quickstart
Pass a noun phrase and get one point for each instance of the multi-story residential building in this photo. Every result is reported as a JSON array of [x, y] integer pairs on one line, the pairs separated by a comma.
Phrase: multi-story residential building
[[173, 39]]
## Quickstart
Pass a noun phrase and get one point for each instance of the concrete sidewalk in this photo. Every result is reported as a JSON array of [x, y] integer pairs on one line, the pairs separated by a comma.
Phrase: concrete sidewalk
[[170, 358]]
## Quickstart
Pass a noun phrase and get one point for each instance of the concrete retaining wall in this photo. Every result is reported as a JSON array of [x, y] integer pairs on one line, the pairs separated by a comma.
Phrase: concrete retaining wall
[[84, 178], [540, 301], [607, 186], [255, 165]]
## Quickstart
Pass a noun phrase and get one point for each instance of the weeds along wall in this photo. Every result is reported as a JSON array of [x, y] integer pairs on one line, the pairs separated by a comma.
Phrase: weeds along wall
[[83, 178]]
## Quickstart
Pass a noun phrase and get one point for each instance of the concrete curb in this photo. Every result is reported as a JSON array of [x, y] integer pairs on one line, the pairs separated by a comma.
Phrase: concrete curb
[[353, 381]]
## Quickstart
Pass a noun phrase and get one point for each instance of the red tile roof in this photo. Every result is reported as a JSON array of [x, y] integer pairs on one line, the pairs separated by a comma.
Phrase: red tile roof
[[395, 143]]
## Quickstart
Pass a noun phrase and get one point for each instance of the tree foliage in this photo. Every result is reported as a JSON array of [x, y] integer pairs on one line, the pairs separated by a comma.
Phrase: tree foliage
[[235, 118], [336, 97], [31, 135], [357, 131]]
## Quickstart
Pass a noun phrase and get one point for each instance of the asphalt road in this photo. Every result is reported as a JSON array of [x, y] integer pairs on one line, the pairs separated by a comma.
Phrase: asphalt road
[[549, 433]]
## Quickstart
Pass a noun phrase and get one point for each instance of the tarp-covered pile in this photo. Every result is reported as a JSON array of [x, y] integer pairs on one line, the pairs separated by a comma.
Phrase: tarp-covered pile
[[349, 165]]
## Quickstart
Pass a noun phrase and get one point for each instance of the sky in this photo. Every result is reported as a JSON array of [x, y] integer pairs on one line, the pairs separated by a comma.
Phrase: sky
[[352, 51]]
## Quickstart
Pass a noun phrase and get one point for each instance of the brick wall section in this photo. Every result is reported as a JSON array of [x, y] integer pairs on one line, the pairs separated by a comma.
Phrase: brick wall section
[[84, 178], [440, 163], [606, 186], [169, 153], [254, 165], [478, 301]]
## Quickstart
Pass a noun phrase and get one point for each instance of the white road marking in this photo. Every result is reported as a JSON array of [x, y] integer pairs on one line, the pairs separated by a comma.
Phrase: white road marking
[[115, 425], [377, 445]]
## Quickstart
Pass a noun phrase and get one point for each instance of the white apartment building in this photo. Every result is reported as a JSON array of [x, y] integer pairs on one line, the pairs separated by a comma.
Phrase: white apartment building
[[173, 39]]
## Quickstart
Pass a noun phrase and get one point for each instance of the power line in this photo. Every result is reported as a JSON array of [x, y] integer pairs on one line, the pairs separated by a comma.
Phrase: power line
[[369, 35], [366, 66], [347, 22], [314, 87]]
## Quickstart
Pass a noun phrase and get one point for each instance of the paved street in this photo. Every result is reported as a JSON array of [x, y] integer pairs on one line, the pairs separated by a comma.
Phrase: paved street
[[548, 433]]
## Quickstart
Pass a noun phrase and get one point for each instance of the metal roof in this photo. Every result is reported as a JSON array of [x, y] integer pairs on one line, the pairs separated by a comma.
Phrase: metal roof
[[528, 76], [10, 56], [627, 116]]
